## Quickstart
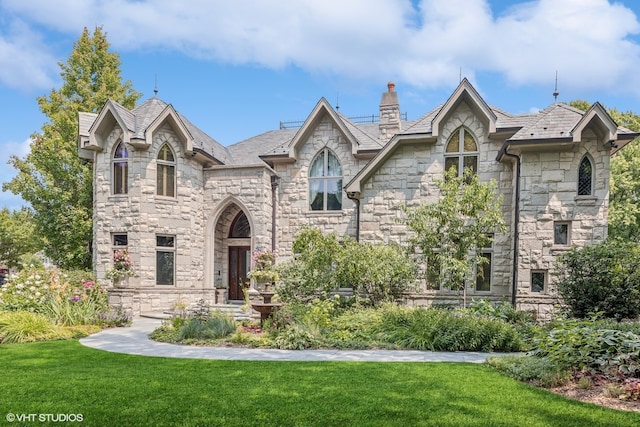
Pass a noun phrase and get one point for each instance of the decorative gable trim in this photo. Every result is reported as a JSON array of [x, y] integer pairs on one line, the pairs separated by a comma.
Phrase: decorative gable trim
[[600, 121], [169, 116], [465, 92], [111, 115], [321, 109]]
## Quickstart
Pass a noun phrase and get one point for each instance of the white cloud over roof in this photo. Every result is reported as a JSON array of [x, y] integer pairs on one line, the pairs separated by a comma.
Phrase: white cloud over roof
[[422, 43]]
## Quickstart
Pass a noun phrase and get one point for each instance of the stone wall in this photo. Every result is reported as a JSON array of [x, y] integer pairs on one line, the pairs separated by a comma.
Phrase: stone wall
[[142, 215], [293, 190], [408, 177]]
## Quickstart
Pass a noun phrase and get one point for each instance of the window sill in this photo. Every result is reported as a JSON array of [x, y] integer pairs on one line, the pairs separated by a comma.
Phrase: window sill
[[586, 200], [560, 248], [166, 200], [324, 213], [118, 197]]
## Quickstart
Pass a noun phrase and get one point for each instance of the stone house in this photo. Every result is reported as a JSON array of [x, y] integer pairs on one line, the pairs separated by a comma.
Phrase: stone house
[[190, 211]]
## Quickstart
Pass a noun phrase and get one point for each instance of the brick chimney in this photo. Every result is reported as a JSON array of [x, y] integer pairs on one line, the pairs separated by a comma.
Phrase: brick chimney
[[389, 114]]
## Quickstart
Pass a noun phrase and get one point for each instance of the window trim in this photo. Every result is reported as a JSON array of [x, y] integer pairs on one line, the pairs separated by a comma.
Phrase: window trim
[[591, 192], [460, 155], [555, 235], [123, 165], [166, 249], [325, 179], [545, 281], [162, 166]]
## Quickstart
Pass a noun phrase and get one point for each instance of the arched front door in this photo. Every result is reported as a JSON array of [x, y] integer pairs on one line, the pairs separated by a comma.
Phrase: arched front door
[[239, 255]]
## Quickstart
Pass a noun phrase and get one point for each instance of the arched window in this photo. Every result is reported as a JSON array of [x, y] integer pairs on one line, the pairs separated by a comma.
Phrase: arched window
[[240, 228], [166, 178], [325, 182], [585, 177], [461, 152], [120, 169]]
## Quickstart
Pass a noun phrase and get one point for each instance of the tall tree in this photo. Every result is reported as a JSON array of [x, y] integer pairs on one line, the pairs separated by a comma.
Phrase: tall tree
[[624, 184], [52, 178], [17, 237], [452, 232]]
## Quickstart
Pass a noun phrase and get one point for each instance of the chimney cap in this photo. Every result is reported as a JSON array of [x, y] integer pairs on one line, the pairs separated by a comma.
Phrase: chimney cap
[[391, 86]]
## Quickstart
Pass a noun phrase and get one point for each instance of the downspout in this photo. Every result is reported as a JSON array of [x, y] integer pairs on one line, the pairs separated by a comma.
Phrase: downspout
[[516, 223], [356, 198], [274, 188]]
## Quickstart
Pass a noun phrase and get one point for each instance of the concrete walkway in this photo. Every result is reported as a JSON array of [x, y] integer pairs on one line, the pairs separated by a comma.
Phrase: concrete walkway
[[135, 340]]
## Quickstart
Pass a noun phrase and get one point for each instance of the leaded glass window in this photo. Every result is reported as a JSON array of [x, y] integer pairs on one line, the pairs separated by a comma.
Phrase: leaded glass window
[[166, 178], [461, 152], [120, 169], [585, 177]]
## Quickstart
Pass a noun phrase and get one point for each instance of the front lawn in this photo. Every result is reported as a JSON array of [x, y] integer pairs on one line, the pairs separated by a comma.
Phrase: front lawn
[[63, 377]]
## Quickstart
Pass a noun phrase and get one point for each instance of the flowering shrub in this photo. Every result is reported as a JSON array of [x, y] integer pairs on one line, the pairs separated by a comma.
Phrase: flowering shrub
[[263, 271], [68, 298], [122, 266]]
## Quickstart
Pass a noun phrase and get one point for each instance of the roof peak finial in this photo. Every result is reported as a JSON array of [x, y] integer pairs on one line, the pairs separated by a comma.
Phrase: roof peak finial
[[155, 88], [555, 91], [338, 101]]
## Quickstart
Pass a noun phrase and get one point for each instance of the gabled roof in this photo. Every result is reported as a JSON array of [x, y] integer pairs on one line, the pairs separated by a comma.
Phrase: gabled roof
[[322, 109], [465, 92], [139, 125]]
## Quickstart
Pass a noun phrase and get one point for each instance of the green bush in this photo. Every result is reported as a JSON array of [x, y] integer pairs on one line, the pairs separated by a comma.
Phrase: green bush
[[25, 326], [296, 338], [601, 278], [582, 345], [447, 330], [540, 372], [216, 326], [323, 264]]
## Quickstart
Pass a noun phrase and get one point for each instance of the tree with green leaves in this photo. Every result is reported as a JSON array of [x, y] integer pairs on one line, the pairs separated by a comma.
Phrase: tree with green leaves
[[52, 178], [624, 184], [451, 232], [17, 236]]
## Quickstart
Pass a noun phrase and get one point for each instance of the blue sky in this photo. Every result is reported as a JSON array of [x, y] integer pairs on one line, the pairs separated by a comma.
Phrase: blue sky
[[238, 68]]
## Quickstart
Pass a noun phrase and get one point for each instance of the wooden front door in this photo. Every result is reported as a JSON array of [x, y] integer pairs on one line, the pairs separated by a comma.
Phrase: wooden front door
[[238, 268]]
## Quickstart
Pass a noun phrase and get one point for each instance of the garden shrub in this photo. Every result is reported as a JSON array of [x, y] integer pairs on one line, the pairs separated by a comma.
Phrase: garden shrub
[[296, 337], [447, 330], [601, 278], [538, 371], [323, 264], [26, 326], [67, 297], [581, 345], [216, 325]]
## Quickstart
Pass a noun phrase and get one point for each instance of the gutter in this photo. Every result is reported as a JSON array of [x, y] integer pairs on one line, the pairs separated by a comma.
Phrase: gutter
[[516, 222], [356, 198]]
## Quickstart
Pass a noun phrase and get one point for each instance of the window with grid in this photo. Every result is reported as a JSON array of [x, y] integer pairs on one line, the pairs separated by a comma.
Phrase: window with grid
[[166, 170], [585, 177], [325, 182], [165, 260], [461, 152], [120, 169]]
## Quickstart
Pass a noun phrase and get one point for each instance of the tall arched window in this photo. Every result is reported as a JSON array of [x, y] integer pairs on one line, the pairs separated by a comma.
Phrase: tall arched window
[[120, 169], [325, 182], [585, 177], [461, 152], [166, 178]]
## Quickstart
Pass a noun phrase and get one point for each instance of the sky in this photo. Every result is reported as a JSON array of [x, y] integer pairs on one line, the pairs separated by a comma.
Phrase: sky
[[237, 68]]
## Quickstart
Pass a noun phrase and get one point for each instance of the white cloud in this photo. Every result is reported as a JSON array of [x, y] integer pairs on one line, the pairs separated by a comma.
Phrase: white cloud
[[426, 46], [26, 62]]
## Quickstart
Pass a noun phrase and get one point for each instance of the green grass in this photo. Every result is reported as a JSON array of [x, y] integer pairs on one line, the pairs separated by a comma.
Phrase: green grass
[[112, 389]]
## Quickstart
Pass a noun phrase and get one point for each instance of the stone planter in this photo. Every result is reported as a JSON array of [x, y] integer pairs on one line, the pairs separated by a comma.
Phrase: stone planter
[[221, 295], [121, 283]]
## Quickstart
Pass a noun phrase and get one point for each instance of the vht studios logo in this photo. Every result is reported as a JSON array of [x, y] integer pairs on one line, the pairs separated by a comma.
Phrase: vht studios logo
[[51, 418]]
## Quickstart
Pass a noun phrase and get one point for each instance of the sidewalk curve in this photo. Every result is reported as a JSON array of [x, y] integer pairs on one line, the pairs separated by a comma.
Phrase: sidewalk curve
[[135, 340]]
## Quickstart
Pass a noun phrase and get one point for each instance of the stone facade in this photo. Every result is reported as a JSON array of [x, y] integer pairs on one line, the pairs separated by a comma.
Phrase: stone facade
[[255, 195]]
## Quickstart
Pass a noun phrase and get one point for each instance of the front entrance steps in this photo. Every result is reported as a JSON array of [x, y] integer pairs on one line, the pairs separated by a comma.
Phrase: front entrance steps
[[232, 309]]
